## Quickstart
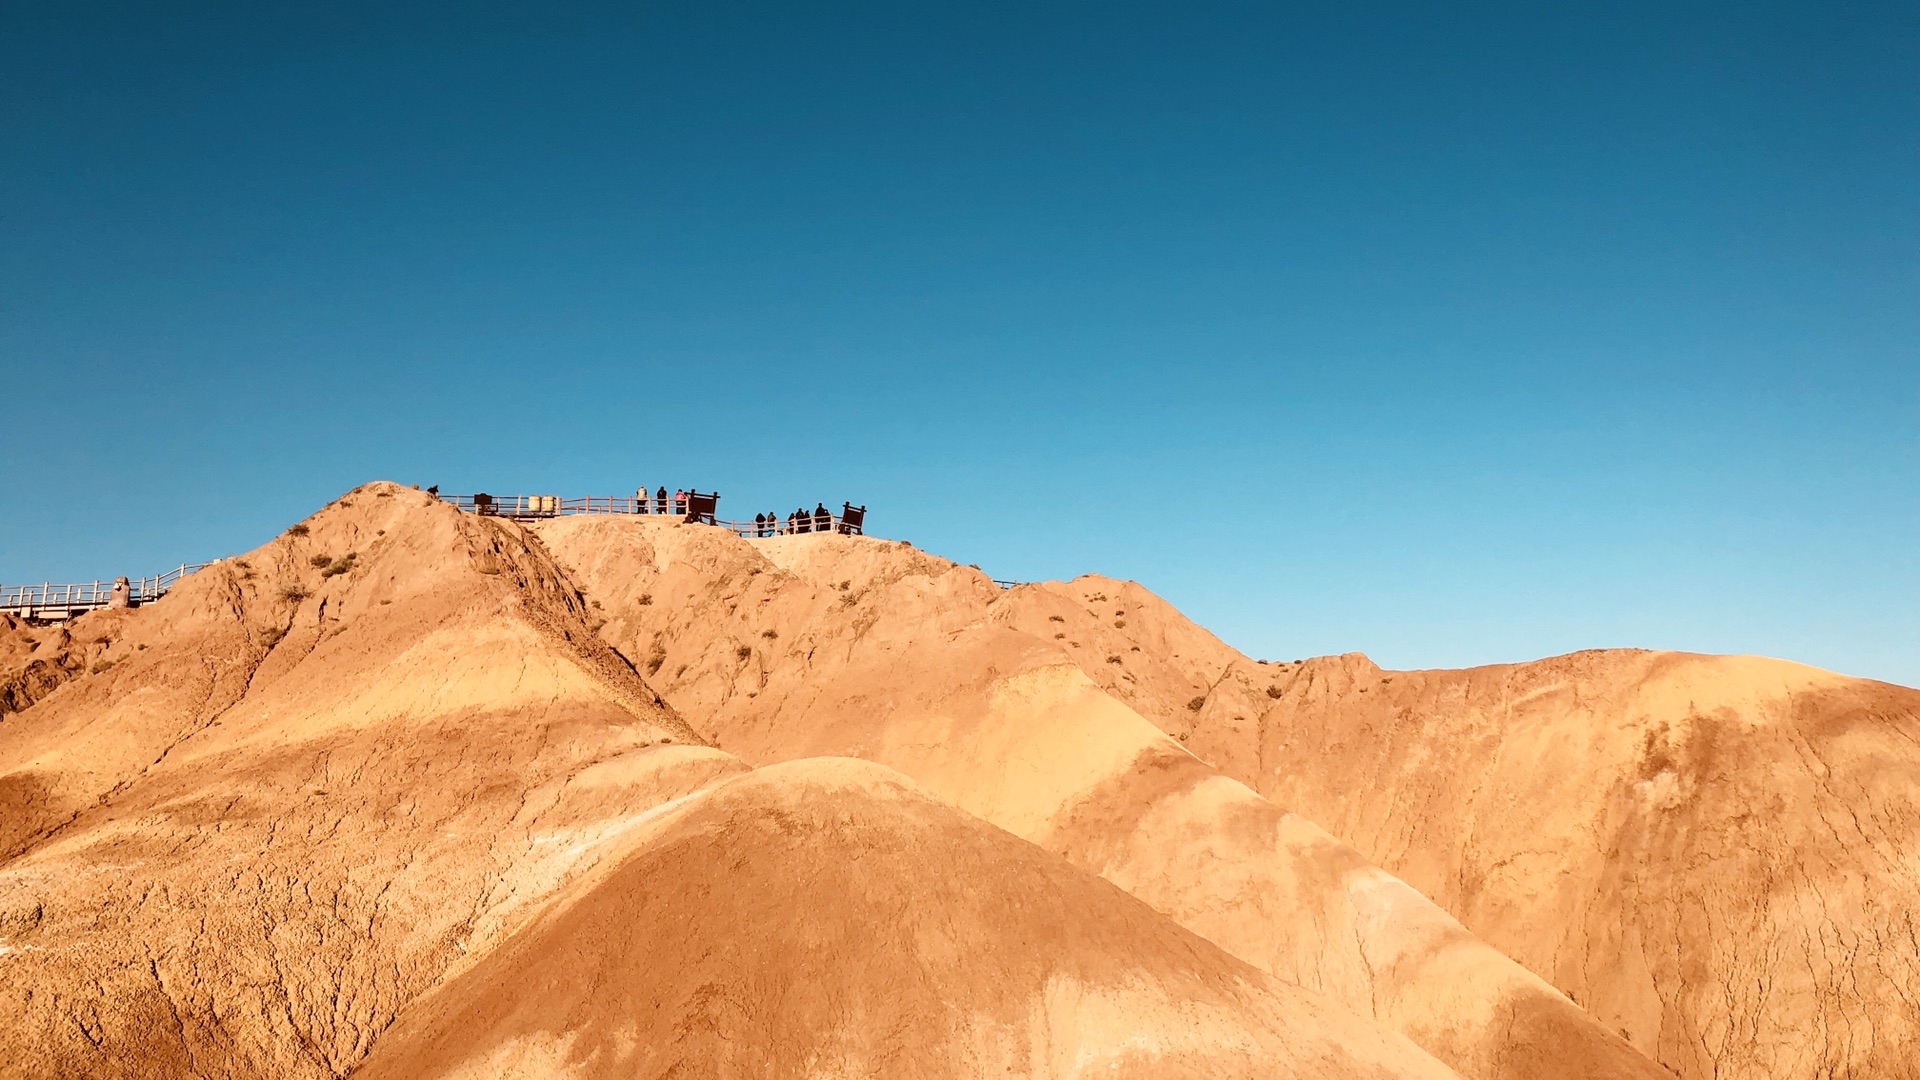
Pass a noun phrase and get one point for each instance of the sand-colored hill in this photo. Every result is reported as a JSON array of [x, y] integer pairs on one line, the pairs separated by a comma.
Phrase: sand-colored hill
[[797, 647], [249, 826], [1718, 855], [300, 792], [823, 918]]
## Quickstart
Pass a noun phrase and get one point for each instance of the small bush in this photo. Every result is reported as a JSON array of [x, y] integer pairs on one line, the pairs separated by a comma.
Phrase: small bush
[[844, 586], [298, 530], [645, 599], [319, 560], [1057, 637], [655, 658], [1114, 659], [1196, 704], [770, 634], [1274, 691], [1056, 618], [339, 566], [293, 593], [1119, 624], [744, 652]]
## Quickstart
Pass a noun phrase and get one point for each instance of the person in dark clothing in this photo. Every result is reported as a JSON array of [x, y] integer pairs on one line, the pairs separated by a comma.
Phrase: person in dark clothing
[[759, 525], [773, 524], [660, 500], [822, 518], [802, 521]]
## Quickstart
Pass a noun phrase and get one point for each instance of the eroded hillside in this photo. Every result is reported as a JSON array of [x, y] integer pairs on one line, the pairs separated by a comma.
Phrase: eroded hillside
[[1718, 855], [384, 759], [802, 646]]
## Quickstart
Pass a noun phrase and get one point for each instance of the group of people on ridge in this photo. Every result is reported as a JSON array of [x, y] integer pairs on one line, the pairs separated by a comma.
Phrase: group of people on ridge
[[802, 520], [659, 503]]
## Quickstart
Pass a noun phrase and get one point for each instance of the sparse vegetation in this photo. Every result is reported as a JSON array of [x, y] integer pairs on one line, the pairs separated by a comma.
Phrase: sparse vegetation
[[770, 634], [298, 530], [1274, 691], [1056, 618], [1119, 624], [744, 652], [319, 560], [1114, 659], [645, 599], [656, 657], [1197, 704], [1059, 636], [340, 565], [844, 586], [293, 594]]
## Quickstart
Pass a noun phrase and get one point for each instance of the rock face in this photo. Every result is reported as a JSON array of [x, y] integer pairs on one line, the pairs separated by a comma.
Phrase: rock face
[[1717, 855], [824, 918], [796, 647]]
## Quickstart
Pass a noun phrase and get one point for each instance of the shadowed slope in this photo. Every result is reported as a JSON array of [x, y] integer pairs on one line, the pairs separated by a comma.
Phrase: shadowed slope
[[1718, 854], [315, 777], [803, 646], [822, 918]]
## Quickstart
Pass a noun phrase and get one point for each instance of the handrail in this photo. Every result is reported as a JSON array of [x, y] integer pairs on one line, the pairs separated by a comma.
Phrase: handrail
[[71, 597], [539, 507]]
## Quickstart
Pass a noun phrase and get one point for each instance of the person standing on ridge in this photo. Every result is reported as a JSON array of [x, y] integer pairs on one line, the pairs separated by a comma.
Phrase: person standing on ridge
[[660, 500], [822, 518], [759, 525], [640, 499]]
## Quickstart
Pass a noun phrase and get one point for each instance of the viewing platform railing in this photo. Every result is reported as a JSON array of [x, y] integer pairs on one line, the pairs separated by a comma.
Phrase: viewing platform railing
[[55, 600], [539, 507]]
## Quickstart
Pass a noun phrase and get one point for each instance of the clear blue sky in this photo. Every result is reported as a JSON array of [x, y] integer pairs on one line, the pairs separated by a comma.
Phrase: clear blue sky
[[1450, 334]]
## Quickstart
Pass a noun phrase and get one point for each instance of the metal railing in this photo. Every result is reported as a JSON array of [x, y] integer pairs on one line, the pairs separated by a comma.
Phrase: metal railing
[[540, 507], [65, 599]]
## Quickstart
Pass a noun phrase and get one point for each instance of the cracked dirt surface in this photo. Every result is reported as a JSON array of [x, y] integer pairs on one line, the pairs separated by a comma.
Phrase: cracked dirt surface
[[796, 647]]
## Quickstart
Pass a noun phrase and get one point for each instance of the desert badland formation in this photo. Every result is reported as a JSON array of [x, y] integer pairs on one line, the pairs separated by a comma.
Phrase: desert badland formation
[[411, 792]]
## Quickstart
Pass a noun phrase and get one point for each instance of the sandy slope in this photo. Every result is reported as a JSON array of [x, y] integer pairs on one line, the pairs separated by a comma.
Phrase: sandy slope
[[248, 826], [823, 918], [1719, 855], [276, 818], [802, 646]]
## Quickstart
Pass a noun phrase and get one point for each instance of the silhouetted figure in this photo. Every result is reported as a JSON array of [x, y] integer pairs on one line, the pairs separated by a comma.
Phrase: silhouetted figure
[[800, 520], [434, 491], [660, 500], [640, 499], [773, 524], [759, 524], [822, 519]]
